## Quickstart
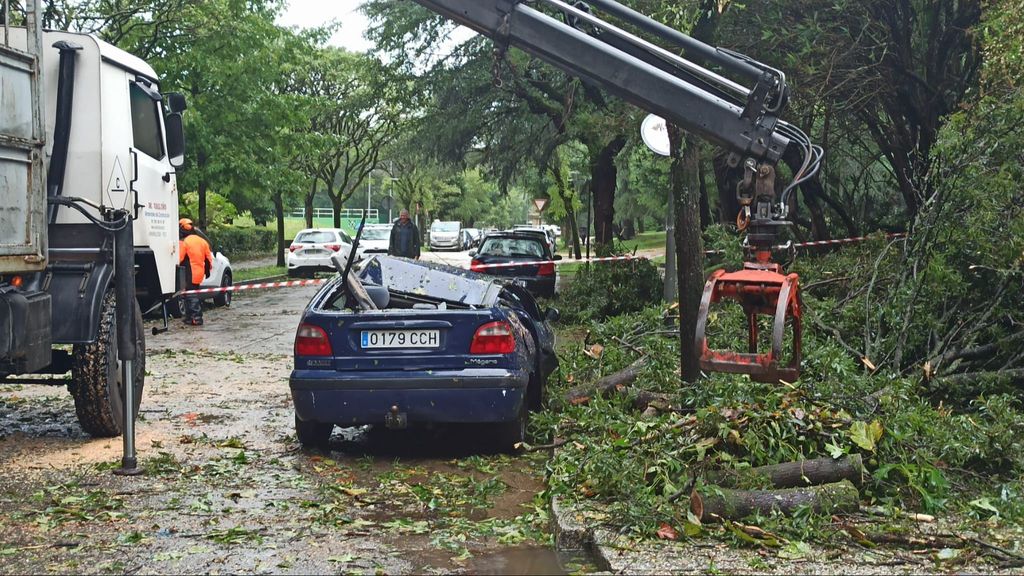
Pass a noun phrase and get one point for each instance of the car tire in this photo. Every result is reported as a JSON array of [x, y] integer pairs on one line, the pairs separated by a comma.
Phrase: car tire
[[535, 393], [508, 434], [96, 375], [176, 307], [313, 434], [224, 298]]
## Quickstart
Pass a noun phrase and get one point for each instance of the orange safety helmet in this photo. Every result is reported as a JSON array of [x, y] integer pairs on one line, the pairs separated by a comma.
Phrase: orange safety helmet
[[185, 224]]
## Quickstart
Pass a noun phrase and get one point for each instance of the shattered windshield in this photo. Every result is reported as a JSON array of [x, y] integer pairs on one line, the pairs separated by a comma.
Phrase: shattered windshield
[[434, 281]]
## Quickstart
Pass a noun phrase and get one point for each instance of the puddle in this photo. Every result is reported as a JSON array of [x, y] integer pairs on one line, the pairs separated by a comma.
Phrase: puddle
[[528, 560]]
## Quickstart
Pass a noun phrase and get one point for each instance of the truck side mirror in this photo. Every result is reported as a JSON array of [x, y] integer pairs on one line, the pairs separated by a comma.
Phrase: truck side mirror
[[176, 102], [175, 139]]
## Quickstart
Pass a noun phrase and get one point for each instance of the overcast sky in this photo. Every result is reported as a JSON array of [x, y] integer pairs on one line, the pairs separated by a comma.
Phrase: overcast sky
[[312, 13]]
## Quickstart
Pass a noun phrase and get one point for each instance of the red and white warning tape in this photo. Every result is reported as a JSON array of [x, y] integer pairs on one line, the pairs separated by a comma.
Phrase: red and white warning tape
[[556, 262], [254, 286], [842, 241], [318, 281]]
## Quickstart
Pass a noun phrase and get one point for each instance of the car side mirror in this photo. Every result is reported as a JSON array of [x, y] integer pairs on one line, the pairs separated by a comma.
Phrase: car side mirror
[[552, 315], [472, 253], [175, 139], [557, 257]]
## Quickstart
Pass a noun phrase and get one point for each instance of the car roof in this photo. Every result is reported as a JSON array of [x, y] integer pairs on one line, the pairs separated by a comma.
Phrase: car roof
[[304, 230], [523, 234], [433, 280]]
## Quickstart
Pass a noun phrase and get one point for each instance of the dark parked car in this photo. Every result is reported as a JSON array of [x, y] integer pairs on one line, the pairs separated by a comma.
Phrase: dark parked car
[[509, 250], [410, 342]]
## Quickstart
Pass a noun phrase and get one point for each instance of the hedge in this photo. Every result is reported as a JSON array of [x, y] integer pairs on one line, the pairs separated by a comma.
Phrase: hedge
[[235, 241]]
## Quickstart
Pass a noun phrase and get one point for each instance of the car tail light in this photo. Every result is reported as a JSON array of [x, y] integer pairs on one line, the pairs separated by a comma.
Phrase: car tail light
[[476, 265], [311, 340], [546, 269], [333, 247], [294, 247], [493, 338]]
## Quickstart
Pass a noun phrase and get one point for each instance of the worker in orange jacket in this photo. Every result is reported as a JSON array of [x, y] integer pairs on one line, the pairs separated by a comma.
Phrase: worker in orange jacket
[[193, 253]]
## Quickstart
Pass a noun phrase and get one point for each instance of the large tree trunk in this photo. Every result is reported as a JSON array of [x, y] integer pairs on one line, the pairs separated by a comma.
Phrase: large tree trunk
[[279, 213], [689, 246], [336, 204], [603, 177], [705, 203], [308, 204]]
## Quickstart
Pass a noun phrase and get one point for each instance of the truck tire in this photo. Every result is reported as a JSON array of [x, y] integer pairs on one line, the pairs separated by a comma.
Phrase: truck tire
[[96, 376], [313, 434], [224, 298]]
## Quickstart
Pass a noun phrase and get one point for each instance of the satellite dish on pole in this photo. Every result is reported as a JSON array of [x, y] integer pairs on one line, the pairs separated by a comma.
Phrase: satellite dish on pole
[[655, 134]]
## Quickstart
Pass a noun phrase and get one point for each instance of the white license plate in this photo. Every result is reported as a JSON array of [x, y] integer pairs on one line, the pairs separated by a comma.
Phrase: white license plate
[[313, 252], [400, 339]]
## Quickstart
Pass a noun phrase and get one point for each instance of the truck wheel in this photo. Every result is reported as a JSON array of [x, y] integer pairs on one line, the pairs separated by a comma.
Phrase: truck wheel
[[224, 298], [313, 434], [96, 382]]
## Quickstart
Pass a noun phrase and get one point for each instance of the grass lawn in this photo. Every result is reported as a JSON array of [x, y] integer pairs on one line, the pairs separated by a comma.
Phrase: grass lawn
[[644, 241], [246, 274]]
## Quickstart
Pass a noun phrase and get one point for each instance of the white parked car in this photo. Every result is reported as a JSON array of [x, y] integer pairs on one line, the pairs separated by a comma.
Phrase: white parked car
[[375, 239], [312, 249], [445, 235], [220, 275]]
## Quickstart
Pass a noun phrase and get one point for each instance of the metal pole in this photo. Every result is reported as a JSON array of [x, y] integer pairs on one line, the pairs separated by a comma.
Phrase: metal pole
[[7, 25], [124, 290]]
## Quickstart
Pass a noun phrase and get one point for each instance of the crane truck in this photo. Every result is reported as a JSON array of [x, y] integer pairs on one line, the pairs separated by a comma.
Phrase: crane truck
[[88, 151], [729, 99]]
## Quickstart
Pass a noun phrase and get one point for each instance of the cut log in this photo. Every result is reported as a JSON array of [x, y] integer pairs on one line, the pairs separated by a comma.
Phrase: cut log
[[792, 474], [728, 504]]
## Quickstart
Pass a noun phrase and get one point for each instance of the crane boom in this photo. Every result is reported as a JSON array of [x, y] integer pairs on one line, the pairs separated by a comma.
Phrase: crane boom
[[641, 72]]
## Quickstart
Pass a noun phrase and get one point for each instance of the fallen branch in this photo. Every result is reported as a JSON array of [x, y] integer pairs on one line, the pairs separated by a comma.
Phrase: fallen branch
[[607, 385], [793, 474], [728, 504]]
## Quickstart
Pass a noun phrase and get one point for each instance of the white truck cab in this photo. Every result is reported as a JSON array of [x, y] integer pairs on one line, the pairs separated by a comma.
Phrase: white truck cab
[[88, 152]]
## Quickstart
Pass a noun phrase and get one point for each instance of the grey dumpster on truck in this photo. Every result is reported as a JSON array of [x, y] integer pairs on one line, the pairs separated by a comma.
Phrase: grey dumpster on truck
[[88, 151]]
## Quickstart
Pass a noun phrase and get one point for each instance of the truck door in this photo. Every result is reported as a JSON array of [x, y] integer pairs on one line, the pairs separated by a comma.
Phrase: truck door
[[153, 182]]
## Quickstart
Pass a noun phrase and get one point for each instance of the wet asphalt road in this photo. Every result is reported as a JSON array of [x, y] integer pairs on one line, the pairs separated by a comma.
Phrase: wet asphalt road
[[226, 487]]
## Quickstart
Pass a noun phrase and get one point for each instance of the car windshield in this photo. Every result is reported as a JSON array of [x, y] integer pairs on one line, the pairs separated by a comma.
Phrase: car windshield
[[376, 234], [512, 247], [315, 237], [445, 226]]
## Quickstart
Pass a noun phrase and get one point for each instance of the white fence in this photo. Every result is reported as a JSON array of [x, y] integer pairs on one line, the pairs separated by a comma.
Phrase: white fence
[[346, 213]]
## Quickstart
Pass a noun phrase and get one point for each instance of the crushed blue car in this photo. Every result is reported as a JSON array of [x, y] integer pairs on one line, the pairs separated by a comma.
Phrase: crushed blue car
[[403, 343]]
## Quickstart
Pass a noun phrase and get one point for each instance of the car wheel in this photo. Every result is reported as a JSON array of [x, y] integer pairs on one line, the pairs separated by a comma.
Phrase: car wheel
[[508, 434], [313, 434], [224, 298], [535, 393], [176, 307]]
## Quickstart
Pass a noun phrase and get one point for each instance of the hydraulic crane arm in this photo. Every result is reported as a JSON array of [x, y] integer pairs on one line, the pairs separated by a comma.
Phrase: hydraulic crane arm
[[641, 72]]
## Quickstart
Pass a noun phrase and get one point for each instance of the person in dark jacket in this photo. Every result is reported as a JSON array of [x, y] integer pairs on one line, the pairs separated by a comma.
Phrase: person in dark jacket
[[194, 253], [405, 237]]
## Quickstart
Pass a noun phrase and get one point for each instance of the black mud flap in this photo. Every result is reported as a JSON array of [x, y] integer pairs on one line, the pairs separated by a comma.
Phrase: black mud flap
[[25, 338]]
